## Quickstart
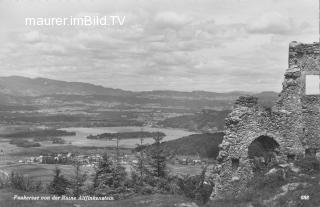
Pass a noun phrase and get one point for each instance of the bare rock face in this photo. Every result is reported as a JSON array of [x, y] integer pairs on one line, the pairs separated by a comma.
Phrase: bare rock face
[[288, 130]]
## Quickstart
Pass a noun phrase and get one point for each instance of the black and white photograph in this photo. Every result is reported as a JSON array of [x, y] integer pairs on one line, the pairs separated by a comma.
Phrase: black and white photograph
[[159, 103]]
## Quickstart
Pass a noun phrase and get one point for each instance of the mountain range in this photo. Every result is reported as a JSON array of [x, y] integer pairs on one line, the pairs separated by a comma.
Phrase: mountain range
[[60, 103], [13, 87], [22, 86]]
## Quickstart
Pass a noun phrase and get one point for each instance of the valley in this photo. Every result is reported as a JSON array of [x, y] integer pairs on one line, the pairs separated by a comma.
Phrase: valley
[[47, 124]]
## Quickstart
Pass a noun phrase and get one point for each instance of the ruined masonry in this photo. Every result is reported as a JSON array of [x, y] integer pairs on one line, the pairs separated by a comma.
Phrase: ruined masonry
[[292, 126]]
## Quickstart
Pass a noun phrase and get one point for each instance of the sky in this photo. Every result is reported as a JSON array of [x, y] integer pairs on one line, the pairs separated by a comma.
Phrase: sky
[[184, 45]]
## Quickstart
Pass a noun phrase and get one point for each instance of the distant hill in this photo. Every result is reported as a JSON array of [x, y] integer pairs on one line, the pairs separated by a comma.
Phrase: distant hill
[[4, 99], [12, 99], [22, 86], [192, 95], [212, 120], [22, 90], [60, 103], [204, 145], [267, 98], [206, 121]]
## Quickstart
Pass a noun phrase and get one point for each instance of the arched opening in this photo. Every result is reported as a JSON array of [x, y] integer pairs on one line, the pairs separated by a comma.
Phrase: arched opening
[[264, 148], [235, 163]]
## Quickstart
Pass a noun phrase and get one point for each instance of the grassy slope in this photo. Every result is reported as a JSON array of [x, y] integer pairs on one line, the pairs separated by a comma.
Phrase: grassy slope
[[27, 152], [206, 145], [207, 119], [273, 191], [290, 199]]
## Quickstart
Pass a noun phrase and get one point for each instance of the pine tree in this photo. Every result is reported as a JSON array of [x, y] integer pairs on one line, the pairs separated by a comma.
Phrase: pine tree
[[110, 178], [158, 158], [59, 184], [140, 170], [77, 181]]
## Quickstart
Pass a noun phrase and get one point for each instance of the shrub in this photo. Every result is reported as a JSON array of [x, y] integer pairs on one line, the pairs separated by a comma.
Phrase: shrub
[[168, 185], [272, 181], [24, 183], [145, 190], [259, 166], [308, 165], [59, 184], [58, 140], [195, 187], [24, 143], [77, 180], [4, 182]]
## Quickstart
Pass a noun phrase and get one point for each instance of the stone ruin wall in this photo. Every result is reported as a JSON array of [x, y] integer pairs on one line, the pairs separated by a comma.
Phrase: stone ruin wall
[[294, 122], [304, 59]]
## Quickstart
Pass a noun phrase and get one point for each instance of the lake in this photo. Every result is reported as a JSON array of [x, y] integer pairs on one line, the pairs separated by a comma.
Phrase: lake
[[81, 136]]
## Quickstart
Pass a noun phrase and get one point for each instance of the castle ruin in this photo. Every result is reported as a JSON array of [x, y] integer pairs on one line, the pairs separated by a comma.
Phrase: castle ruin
[[291, 128]]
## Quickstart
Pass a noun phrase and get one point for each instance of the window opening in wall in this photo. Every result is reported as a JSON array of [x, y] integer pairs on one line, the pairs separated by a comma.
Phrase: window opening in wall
[[235, 163], [312, 84]]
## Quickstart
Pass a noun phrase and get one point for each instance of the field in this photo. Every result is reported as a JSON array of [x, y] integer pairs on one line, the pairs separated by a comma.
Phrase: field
[[41, 172], [11, 156], [185, 169]]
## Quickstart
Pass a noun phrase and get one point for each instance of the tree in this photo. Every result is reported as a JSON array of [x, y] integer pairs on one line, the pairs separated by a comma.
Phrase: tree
[[140, 168], [195, 187], [78, 180], [110, 178], [158, 158], [203, 190], [59, 184]]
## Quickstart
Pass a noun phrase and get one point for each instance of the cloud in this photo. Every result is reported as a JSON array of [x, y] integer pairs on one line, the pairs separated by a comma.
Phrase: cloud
[[274, 23], [169, 19], [32, 37], [204, 45]]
